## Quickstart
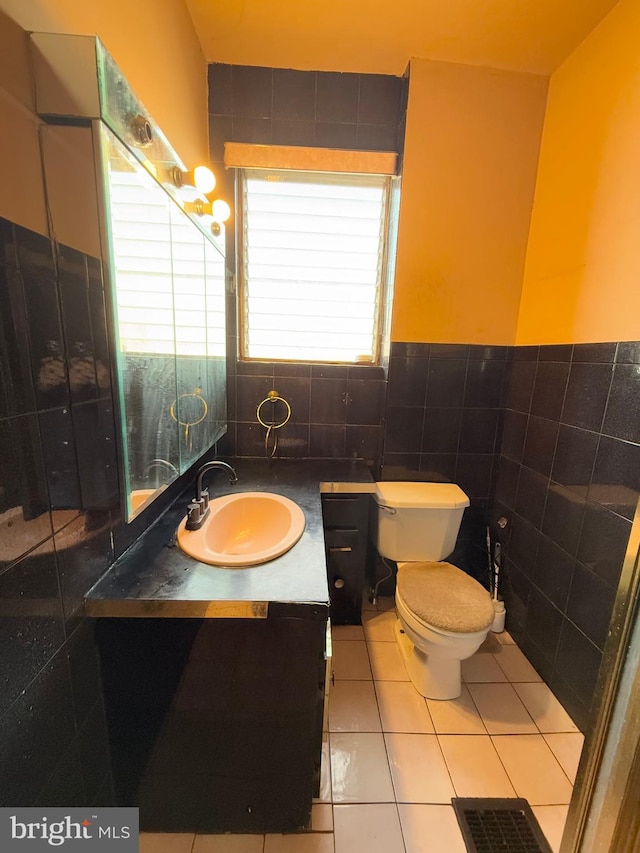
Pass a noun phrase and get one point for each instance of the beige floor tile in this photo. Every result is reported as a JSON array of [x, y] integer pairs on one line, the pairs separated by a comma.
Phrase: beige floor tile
[[504, 638], [353, 707], [166, 842], [308, 842], [322, 817], [501, 710], [552, 820], [359, 769], [229, 843], [386, 602], [378, 625], [456, 716], [474, 766], [367, 829], [419, 772], [402, 708], [567, 748], [490, 645], [430, 829], [533, 769], [481, 668], [324, 795], [515, 664], [350, 660], [386, 662], [548, 714], [347, 632]]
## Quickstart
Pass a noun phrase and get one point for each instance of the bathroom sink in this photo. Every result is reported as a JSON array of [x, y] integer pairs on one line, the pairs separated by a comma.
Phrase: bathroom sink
[[244, 529]]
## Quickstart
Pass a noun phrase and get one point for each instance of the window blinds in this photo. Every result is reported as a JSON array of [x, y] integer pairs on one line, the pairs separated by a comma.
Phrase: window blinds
[[169, 280], [313, 247]]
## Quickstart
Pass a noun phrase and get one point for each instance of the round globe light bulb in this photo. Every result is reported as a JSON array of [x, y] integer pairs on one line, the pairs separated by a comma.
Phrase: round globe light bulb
[[204, 179], [221, 210]]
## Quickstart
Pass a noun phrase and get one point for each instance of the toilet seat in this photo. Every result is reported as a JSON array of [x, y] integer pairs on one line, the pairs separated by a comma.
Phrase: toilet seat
[[444, 599]]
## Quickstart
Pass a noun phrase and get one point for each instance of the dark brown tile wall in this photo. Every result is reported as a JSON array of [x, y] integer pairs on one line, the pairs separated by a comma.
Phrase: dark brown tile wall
[[443, 414], [568, 481], [549, 438], [443, 420], [286, 107], [58, 494], [61, 520], [336, 410]]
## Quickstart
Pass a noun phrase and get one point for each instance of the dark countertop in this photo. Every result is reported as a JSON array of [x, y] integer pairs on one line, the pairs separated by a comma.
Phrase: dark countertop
[[155, 578]]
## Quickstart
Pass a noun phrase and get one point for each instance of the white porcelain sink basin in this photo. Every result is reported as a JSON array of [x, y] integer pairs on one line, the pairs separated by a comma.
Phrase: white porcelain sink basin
[[244, 529]]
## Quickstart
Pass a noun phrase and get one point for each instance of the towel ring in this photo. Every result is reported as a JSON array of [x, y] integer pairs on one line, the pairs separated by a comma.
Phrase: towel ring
[[273, 397], [197, 393]]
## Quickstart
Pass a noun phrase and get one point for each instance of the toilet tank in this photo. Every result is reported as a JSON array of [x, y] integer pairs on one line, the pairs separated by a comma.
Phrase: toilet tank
[[418, 521]]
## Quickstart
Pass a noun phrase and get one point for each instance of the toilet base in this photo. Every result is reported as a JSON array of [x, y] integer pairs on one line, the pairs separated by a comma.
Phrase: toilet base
[[433, 677]]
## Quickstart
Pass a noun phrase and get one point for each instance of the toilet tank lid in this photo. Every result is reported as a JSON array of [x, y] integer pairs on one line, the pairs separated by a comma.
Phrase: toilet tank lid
[[421, 495]]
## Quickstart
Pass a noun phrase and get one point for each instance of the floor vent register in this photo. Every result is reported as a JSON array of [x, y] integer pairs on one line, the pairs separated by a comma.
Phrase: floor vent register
[[496, 825]]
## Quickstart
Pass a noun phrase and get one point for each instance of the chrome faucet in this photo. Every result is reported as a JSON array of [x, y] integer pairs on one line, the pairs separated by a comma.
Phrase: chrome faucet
[[198, 509]]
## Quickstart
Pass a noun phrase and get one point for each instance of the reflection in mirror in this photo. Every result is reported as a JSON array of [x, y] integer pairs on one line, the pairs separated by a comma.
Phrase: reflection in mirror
[[168, 298], [216, 337], [163, 280], [191, 409]]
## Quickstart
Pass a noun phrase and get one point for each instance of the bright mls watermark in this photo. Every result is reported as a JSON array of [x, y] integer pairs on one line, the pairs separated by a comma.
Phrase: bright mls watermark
[[114, 830]]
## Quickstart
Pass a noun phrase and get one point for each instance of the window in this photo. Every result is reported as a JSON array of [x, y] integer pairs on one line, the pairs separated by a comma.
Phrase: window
[[312, 265]]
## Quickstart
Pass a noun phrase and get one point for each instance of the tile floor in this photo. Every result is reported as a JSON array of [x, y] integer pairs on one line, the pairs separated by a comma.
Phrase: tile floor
[[506, 736]]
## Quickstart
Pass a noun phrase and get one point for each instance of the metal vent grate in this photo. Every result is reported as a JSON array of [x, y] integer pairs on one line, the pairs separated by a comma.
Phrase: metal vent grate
[[499, 826]]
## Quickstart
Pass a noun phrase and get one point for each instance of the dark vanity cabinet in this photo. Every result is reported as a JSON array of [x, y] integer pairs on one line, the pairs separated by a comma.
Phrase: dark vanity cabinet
[[346, 531], [215, 725]]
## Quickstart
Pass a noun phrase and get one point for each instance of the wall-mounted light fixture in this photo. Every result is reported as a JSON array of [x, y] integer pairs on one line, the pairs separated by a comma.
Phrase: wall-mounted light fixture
[[199, 207], [141, 131], [216, 212], [201, 178], [219, 210]]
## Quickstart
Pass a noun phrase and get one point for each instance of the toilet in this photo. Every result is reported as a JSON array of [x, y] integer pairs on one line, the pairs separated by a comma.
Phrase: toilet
[[444, 615]]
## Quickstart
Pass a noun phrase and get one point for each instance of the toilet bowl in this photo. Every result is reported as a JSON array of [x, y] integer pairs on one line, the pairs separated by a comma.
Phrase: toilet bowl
[[444, 615]]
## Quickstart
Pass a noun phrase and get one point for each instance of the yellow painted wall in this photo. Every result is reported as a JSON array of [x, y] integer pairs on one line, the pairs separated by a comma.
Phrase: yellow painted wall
[[21, 189], [157, 49], [471, 154], [582, 277]]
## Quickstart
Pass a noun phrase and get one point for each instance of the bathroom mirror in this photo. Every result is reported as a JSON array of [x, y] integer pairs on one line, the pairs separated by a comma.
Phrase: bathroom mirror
[[167, 290], [111, 193]]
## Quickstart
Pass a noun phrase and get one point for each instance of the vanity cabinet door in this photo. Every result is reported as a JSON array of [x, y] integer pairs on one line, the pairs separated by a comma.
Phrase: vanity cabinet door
[[345, 575], [345, 533]]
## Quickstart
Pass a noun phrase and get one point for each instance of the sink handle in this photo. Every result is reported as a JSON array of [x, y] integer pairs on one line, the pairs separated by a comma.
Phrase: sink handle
[[196, 514]]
